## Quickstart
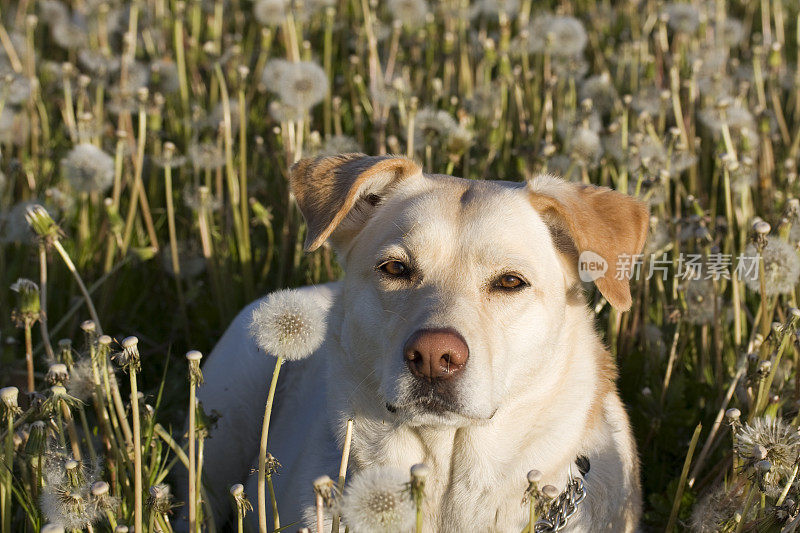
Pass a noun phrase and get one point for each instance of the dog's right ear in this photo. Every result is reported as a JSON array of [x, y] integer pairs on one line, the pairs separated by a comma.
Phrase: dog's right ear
[[339, 192]]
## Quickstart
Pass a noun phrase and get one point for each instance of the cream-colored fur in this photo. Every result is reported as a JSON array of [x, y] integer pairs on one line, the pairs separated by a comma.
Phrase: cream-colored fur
[[537, 391]]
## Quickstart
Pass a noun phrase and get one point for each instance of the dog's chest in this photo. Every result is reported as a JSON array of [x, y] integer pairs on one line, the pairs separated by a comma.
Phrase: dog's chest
[[464, 490]]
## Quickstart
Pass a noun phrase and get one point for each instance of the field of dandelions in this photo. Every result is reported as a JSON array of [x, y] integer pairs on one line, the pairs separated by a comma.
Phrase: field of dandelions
[[143, 201]]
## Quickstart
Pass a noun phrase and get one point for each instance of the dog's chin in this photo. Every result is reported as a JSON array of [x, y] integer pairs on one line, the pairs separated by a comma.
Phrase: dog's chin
[[431, 411]]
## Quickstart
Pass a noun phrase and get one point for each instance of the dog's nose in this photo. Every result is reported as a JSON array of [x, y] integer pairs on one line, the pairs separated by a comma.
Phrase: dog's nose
[[436, 353]]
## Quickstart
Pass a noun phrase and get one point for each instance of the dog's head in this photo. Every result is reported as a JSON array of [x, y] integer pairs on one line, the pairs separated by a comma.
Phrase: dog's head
[[456, 290]]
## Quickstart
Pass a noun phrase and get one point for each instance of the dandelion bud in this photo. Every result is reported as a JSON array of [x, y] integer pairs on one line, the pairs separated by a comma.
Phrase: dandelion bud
[[550, 492], [534, 476], [323, 486], [41, 222], [129, 356], [99, 488], [28, 298], [420, 471], [9, 397], [160, 500], [195, 374], [121, 528], [761, 227], [104, 345], [89, 327], [733, 414], [65, 351], [57, 374], [764, 368], [240, 498], [37, 439]]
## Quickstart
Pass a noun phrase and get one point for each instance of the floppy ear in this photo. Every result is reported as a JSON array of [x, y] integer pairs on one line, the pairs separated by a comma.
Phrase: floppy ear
[[599, 222], [328, 189]]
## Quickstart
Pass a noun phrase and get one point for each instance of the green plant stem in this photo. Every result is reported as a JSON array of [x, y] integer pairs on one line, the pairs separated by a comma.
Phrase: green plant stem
[[88, 299], [192, 459], [262, 452], [137, 453], [676, 503], [29, 355]]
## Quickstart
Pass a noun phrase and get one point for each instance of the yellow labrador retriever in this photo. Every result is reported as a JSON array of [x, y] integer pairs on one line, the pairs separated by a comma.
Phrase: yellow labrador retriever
[[459, 337]]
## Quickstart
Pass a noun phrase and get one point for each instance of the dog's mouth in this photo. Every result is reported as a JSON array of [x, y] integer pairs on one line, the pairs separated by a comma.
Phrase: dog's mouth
[[428, 398]]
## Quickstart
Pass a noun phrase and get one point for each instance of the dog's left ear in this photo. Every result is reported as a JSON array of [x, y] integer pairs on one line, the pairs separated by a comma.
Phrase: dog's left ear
[[599, 222], [336, 194]]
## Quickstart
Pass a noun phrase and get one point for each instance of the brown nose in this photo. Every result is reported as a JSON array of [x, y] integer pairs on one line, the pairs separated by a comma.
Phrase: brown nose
[[436, 353]]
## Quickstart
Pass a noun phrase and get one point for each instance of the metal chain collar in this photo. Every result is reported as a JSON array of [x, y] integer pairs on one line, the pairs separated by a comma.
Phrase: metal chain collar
[[563, 507]]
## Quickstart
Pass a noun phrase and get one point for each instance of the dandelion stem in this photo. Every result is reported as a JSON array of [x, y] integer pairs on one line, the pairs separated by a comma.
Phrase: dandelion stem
[[29, 355], [192, 459], [348, 439], [137, 453], [676, 503], [262, 452], [71, 267]]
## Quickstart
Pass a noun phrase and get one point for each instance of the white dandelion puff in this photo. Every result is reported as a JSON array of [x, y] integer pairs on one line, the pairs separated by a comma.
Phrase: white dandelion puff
[[682, 17], [288, 324], [300, 85], [779, 442], [81, 380], [560, 36], [781, 267], [270, 12], [88, 168], [410, 12], [377, 500]]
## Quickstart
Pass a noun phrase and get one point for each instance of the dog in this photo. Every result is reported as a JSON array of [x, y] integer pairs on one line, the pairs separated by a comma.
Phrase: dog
[[459, 337]]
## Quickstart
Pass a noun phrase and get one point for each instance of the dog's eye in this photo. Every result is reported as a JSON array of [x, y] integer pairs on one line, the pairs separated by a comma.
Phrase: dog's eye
[[394, 268], [510, 282]]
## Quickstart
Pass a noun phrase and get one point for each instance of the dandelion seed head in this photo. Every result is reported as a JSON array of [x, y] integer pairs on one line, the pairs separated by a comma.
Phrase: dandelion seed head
[[87, 168], [270, 12], [190, 259], [778, 443], [410, 12], [52, 11], [717, 509], [585, 147], [601, 91], [81, 380], [781, 267], [64, 501], [69, 35], [339, 144], [561, 36], [682, 17], [14, 127], [700, 301], [300, 85], [206, 156], [432, 126], [493, 8], [288, 324], [376, 500]]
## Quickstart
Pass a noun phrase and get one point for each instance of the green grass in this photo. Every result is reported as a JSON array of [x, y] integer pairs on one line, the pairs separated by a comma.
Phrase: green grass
[[678, 105]]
